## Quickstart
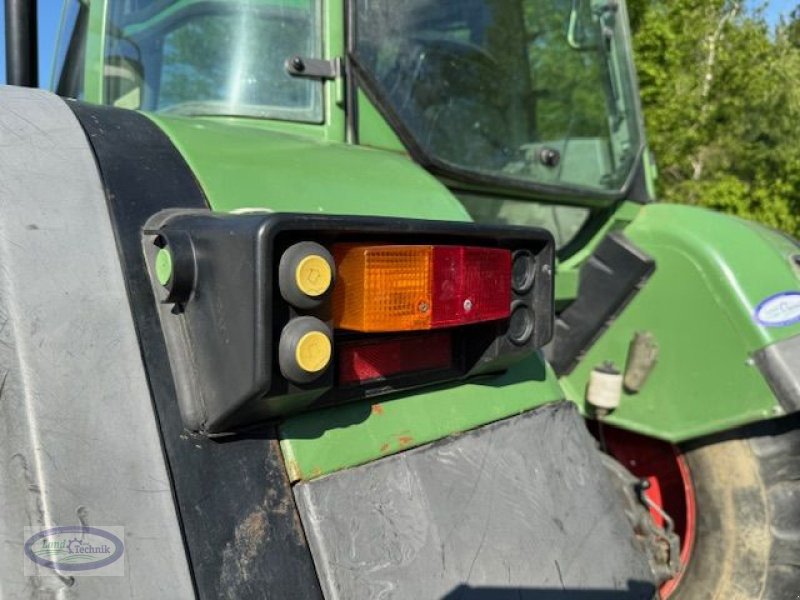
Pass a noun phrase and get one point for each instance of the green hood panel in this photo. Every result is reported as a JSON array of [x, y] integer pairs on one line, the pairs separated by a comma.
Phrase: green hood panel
[[242, 165]]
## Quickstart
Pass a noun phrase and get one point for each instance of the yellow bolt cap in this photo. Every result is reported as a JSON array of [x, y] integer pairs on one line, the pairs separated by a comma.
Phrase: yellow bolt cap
[[313, 352], [313, 275]]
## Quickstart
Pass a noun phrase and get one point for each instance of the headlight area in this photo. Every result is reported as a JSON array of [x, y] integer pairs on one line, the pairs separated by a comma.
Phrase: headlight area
[[269, 314]]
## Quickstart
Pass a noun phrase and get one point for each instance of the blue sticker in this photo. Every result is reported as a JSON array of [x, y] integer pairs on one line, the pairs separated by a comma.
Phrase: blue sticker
[[779, 310]]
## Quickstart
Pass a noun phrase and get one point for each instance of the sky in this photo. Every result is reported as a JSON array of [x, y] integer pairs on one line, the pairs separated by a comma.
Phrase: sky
[[775, 8], [50, 14]]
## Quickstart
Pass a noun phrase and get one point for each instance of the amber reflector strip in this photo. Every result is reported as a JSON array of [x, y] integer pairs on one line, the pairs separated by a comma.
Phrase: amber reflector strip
[[384, 288], [371, 360]]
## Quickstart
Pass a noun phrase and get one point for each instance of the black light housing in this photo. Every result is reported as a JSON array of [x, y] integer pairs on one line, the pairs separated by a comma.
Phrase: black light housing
[[226, 335]]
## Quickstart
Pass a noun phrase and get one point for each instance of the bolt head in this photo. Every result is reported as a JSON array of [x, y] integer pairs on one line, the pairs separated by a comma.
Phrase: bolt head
[[549, 157], [298, 64]]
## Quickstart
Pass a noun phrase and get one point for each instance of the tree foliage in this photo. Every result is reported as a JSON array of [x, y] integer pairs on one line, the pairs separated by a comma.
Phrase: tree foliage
[[721, 95]]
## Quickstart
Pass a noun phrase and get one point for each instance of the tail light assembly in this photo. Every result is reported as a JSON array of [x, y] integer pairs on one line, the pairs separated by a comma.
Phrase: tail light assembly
[[414, 287], [268, 314]]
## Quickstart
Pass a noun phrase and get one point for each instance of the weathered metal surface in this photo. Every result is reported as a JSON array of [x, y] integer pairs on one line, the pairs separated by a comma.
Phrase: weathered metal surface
[[321, 442], [78, 438], [523, 505]]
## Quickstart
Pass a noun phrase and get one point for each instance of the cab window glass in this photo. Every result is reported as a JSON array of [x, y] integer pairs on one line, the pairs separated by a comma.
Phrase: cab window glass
[[213, 58], [519, 90]]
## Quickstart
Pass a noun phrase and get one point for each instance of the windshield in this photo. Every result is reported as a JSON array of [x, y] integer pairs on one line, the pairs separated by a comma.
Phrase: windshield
[[532, 91], [212, 57]]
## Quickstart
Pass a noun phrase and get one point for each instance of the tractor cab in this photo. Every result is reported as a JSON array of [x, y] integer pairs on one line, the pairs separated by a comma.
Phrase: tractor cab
[[514, 101]]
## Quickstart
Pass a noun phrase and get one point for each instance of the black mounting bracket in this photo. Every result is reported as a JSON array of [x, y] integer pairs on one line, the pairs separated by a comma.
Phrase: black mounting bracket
[[314, 68]]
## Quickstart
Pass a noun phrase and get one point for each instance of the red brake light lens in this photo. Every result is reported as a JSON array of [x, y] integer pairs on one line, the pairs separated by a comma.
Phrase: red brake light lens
[[470, 285], [372, 360]]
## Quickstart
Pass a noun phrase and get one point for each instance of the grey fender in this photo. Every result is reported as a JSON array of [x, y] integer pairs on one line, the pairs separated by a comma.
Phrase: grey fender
[[78, 438]]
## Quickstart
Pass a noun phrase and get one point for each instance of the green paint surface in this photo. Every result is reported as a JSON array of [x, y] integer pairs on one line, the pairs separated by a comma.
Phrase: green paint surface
[[163, 266], [242, 164], [712, 271], [333, 46], [335, 438], [95, 49], [373, 130]]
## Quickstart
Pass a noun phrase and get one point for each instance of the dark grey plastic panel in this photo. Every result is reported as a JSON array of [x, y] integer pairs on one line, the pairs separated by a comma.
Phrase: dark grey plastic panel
[[609, 279], [519, 508], [780, 365]]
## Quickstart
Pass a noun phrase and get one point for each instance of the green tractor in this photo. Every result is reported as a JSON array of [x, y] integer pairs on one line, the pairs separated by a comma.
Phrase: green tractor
[[372, 299]]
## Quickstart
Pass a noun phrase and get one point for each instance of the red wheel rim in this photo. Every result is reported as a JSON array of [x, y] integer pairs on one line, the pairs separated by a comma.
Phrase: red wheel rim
[[664, 466]]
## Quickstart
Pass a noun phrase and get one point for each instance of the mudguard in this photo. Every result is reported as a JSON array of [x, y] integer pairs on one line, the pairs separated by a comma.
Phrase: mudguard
[[80, 442], [723, 305], [521, 506]]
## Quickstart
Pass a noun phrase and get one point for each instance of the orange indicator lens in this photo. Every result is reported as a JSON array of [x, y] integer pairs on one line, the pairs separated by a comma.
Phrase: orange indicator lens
[[382, 288]]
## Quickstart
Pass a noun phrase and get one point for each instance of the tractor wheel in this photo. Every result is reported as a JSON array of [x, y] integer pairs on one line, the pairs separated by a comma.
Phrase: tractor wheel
[[735, 502], [747, 526]]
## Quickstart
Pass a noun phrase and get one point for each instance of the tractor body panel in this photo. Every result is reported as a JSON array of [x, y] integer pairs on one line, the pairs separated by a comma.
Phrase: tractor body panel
[[712, 273], [244, 166], [80, 439]]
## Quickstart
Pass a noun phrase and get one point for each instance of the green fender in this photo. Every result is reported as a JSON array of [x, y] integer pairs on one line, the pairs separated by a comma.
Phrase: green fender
[[712, 272]]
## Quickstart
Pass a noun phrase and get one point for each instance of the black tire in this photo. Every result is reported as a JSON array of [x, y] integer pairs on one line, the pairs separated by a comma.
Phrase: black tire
[[747, 487]]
